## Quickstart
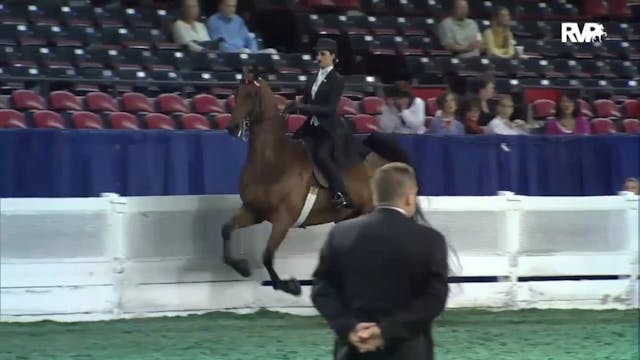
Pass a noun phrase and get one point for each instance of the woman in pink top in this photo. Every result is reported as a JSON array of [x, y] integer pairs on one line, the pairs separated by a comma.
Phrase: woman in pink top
[[568, 120]]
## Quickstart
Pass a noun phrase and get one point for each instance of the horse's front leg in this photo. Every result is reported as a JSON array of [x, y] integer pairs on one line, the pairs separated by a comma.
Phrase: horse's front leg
[[279, 231], [243, 218]]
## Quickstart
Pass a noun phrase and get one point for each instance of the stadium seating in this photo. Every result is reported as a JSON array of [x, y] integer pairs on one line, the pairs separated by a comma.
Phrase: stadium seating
[[194, 122], [120, 64]]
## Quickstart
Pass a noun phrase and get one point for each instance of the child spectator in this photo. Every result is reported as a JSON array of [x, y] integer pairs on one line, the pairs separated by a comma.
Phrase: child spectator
[[502, 124], [445, 122], [469, 113]]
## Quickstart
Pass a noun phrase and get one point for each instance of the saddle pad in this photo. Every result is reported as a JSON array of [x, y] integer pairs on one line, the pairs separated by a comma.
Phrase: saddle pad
[[320, 178]]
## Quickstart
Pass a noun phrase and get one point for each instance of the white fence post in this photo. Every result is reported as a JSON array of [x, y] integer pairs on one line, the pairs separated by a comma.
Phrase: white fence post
[[512, 217], [632, 222], [118, 245]]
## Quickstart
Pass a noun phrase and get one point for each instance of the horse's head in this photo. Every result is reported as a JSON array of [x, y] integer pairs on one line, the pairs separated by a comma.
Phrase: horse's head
[[247, 106]]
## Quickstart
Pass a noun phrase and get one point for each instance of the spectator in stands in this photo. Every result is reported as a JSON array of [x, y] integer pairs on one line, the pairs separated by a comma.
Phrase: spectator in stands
[[502, 124], [459, 34], [631, 185], [187, 30], [229, 28], [469, 113], [483, 89], [445, 122], [568, 119], [498, 39], [404, 112]]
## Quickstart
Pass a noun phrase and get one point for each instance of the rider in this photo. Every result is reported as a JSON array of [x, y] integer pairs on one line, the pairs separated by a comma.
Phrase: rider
[[324, 129]]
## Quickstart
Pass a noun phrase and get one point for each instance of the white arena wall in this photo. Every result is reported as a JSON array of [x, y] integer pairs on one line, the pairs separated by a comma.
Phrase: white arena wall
[[77, 259]]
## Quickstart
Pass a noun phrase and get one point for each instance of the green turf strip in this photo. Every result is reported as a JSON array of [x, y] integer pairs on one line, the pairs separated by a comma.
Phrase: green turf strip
[[459, 334]]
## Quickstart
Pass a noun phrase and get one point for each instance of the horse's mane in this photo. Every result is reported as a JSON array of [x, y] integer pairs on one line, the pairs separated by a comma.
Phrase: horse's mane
[[269, 110]]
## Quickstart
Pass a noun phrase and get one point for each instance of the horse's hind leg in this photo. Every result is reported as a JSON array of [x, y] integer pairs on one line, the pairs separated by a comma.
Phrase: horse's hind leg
[[278, 233], [242, 218]]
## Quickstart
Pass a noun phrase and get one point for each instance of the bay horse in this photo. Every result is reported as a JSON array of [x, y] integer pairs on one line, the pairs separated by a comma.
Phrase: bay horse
[[277, 182]]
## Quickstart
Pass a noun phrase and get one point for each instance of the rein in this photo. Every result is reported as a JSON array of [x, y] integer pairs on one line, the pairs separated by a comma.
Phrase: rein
[[246, 123]]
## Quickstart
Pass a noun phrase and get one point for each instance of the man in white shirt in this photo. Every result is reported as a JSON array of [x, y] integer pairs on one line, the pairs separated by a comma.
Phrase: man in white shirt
[[501, 124]]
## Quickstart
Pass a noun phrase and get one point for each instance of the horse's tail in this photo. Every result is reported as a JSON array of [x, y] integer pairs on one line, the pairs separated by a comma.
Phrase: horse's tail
[[385, 146]]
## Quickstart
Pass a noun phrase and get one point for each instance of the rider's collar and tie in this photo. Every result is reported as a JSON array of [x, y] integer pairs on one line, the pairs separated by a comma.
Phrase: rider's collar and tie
[[322, 74]]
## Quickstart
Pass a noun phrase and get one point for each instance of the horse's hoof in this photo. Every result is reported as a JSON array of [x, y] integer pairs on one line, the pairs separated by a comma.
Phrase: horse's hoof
[[291, 286], [241, 266]]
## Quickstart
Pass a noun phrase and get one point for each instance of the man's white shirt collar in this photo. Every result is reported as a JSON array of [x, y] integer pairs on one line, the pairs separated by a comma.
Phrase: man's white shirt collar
[[393, 208]]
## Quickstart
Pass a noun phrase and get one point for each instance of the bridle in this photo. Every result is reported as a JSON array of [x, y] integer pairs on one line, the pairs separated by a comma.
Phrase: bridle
[[243, 131]]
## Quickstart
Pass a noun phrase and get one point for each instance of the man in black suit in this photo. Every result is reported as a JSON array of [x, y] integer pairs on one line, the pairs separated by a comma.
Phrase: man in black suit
[[324, 130], [382, 278]]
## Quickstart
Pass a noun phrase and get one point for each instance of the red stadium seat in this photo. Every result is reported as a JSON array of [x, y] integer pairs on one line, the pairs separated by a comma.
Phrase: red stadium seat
[[206, 104], [365, 123], [585, 108], [27, 100], [619, 9], [195, 122], [48, 119], [371, 105], [294, 121], [64, 101], [222, 120], [231, 103], [135, 102], [632, 108], [431, 106], [171, 103], [99, 102], [594, 9], [320, 3], [281, 102], [601, 126], [543, 108], [159, 122], [86, 120], [348, 4], [631, 126], [605, 108], [124, 121], [12, 119], [346, 107]]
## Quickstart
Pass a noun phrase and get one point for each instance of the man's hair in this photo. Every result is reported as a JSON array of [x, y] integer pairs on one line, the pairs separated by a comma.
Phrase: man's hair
[[391, 182]]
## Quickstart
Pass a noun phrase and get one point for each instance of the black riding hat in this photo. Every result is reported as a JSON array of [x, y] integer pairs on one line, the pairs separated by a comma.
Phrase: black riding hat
[[327, 45]]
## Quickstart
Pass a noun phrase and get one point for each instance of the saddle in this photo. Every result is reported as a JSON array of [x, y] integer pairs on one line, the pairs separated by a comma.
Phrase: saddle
[[318, 176], [361, 154]]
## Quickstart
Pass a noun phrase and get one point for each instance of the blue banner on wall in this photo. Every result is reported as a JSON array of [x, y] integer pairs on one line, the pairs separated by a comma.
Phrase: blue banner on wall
[[80, 163]]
